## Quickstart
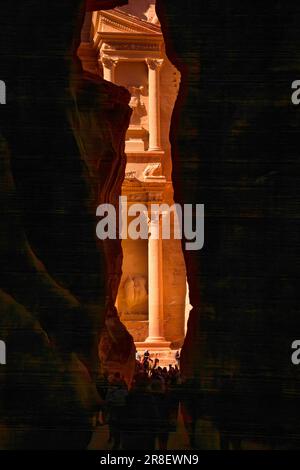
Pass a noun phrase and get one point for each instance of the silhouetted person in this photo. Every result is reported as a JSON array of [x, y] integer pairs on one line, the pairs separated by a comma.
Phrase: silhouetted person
[[146, 361], [116, 403], [177, 357], [142, 416], [162, 403], [173, 396]]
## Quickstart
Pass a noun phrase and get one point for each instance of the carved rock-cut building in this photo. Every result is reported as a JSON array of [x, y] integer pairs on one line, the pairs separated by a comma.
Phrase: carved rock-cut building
[[126, 47]]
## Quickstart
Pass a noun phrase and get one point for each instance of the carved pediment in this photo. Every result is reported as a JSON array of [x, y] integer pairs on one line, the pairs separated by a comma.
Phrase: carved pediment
[[120, 21]]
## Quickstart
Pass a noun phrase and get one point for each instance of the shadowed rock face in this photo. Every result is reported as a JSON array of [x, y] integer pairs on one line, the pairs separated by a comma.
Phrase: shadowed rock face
[[236, 149], [92, 5], [61, 153]]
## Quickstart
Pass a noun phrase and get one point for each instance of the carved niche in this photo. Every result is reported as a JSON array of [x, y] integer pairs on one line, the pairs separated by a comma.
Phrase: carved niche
[[133, 298]]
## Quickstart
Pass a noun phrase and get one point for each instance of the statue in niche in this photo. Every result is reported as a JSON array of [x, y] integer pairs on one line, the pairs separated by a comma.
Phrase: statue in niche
[[137, 105], [129, 291], [151, 14], [133, 299]]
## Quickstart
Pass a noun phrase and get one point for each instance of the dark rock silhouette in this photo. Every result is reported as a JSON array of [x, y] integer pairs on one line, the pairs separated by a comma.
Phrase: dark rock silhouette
[[61, 148], [236, 149]]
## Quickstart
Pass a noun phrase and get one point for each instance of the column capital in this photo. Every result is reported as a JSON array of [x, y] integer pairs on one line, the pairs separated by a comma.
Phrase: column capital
[[154, 64], [108, 62]]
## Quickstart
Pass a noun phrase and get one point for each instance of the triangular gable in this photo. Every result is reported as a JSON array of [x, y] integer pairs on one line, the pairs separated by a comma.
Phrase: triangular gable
[[120, 21]]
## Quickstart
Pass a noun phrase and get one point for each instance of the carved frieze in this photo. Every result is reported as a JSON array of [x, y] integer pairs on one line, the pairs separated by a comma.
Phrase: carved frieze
[[121, 46]]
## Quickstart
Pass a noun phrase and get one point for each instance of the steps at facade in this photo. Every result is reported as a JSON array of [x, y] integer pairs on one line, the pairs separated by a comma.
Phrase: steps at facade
[[166, 356]]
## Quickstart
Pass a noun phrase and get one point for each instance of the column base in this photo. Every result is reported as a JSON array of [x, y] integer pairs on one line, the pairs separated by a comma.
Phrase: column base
[[154, 343]]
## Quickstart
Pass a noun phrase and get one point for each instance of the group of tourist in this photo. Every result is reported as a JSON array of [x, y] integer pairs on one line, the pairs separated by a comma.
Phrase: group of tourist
[[143, 416]]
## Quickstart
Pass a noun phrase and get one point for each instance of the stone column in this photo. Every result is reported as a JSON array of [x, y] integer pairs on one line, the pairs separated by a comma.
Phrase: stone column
[[109, 65], [154, 103], [155, 280]]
